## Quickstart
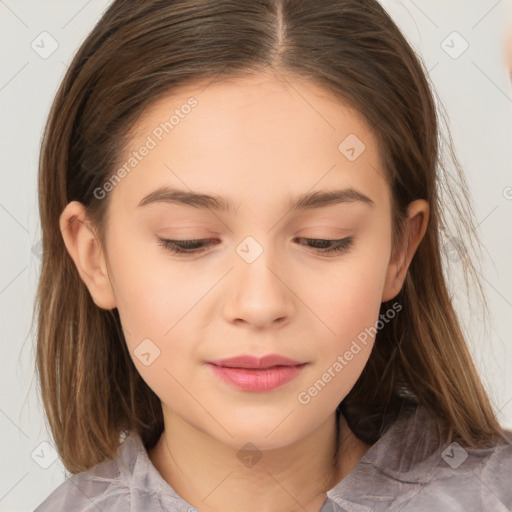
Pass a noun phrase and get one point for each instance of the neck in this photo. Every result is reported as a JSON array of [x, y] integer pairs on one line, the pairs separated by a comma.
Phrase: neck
[[214, 477]]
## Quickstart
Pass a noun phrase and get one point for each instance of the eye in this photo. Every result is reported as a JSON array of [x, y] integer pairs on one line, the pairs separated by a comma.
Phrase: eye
[[186, 246], [329, 246], [200, 245]]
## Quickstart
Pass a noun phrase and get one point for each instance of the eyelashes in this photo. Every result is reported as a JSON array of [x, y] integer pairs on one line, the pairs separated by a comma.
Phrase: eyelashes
[[186, 246], [192, 247], [329, 246]]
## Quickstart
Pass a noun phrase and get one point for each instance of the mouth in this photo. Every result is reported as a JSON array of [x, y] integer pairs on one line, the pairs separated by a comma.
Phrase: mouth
[[256, 363], [249, 373]]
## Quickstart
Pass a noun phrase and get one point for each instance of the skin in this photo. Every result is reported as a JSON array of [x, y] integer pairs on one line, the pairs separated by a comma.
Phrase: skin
[[270, 140]]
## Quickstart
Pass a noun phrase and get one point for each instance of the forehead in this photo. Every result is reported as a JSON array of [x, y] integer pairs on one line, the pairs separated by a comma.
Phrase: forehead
[[256, 135]]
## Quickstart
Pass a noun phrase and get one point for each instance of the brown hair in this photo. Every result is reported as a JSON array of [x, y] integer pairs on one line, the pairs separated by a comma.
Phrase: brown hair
[[139, 52]]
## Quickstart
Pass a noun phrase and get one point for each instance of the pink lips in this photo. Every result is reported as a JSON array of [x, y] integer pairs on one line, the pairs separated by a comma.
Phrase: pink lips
[[251, 373]]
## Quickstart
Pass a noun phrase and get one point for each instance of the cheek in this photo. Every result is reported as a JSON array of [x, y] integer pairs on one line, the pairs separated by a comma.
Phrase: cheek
[[350, 312], [159, 305], [152, 294], [155, 310], [348, 299]]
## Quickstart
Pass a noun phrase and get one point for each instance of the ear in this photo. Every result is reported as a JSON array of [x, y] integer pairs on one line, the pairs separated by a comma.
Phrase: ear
[[416, 225], [85, 249]]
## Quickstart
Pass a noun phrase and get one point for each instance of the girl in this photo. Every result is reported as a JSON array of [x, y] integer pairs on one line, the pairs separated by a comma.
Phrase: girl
[[242, 303]]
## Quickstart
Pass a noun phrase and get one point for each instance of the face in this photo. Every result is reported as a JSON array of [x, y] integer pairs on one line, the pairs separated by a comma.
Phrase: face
[[268, 274]]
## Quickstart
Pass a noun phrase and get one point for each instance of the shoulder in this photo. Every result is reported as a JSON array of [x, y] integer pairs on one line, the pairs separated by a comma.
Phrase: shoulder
[[470, 478], [407, 470], [450, 476], [100, 487], [129, 482]]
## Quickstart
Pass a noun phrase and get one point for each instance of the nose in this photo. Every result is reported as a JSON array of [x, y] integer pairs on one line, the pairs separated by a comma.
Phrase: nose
[[259, 295]]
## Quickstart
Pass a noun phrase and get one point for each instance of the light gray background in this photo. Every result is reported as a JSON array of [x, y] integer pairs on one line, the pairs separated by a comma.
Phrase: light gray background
[[474, 88]]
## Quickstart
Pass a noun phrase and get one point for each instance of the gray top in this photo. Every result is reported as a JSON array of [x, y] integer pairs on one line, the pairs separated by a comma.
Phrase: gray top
[[402, 471]]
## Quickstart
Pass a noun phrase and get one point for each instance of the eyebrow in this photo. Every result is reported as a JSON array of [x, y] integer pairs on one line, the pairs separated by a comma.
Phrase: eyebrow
[[317, 199]]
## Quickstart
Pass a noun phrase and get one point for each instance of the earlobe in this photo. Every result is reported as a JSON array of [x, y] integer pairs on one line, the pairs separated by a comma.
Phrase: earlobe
[[86, 252], [416, 226]]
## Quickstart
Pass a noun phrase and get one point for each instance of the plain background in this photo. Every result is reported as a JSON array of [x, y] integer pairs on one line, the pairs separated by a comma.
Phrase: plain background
[[474, 87]]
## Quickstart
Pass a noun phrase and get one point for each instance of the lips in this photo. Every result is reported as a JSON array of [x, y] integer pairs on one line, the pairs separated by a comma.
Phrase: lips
[[253, 362], [250, 373]]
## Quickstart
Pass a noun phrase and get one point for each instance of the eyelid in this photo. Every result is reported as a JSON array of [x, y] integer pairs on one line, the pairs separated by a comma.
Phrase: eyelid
[[341, 245], [173, 245]]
